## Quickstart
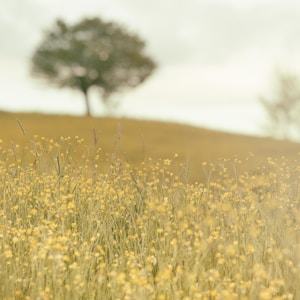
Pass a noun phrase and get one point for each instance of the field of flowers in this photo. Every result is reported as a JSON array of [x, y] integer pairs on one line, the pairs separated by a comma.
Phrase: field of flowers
[[91, 226]]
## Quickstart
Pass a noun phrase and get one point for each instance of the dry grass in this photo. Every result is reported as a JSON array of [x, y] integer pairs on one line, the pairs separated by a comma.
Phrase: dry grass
[[137, 140], [77, 223]]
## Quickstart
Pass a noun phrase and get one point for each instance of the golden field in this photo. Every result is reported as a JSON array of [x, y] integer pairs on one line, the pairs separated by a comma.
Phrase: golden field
[[136, 140], [83, 217]]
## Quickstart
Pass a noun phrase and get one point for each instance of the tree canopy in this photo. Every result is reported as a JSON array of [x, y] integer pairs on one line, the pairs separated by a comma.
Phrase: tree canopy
[[92, 53]]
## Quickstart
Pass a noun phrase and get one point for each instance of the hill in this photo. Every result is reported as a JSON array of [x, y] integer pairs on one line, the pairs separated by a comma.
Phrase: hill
[[136, 140]]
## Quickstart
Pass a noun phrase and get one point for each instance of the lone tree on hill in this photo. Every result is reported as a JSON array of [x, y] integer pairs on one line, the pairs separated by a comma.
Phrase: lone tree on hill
[[284, 109], [92, 53]]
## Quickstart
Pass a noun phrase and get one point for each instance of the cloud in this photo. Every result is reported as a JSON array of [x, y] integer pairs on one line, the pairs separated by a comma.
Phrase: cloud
[[176, 32], [21, 23], [207, 32]]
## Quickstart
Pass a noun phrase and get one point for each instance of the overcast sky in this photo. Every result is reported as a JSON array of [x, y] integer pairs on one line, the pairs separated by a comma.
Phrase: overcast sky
[[215, 57]]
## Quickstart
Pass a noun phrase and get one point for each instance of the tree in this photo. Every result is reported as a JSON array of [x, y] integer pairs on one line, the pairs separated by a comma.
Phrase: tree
[[284, 109], [92, 53]]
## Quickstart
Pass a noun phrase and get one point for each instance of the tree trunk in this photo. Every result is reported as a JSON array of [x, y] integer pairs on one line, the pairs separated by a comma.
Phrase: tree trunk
[[87, 103]]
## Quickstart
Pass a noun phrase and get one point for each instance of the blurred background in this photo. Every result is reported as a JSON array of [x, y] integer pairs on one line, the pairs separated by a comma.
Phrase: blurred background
[[215, 58]]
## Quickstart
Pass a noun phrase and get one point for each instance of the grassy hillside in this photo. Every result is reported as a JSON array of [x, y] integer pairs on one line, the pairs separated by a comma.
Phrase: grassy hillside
[[77, 223], [136, 140]]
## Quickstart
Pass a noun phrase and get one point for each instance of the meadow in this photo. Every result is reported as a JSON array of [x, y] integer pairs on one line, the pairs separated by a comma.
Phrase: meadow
[[79, 221], [136, 140]]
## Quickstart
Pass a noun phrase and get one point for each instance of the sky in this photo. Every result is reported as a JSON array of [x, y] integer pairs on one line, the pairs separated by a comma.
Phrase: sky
[[216, 58]]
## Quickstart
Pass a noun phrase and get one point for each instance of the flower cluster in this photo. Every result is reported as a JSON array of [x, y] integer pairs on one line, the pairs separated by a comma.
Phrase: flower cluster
[[99, 228]]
